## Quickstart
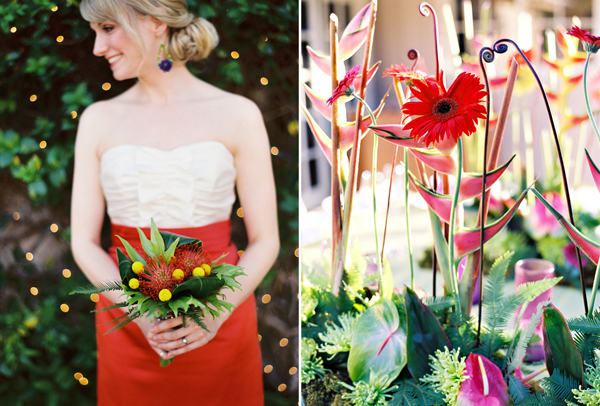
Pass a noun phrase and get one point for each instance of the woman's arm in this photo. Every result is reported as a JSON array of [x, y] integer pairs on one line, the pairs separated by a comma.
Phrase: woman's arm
[[87, 209], [256, 192]]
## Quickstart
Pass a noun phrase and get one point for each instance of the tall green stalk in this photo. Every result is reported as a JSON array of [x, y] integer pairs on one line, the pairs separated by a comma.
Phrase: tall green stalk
[[407, 212], [587, 99], [453, 221]]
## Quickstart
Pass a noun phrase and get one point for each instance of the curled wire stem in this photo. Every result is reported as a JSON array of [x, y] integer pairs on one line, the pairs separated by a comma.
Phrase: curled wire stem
[[425, 9], [487, 55]]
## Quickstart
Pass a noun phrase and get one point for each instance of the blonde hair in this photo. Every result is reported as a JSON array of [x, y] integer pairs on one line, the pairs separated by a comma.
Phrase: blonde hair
[[189, 37]]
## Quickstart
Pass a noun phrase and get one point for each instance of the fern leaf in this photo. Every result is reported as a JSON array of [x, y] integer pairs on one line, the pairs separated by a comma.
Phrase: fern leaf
[[129, 318], [115, 306], [541, 399], [99, 288], [585, 325], [517, 390], [586, 343], [437, 303], [461, 332], [560, 385], [516, 357], [410, 393]]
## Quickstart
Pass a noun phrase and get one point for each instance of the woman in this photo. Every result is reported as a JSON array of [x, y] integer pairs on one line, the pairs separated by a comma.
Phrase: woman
[[172, 147]]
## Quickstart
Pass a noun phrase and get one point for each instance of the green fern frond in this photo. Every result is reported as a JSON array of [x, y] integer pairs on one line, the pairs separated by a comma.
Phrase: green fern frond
[[437, 303], [115, 306], [131, 316], [585, 325], [515, 357], [586, 343], [410, 393], [99, 288], [462, 332], [542, 398], [560, 385], [517, 390], [196, 318]]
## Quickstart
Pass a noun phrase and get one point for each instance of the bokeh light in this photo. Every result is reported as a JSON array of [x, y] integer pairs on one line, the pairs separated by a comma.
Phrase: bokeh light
[[266, 298]]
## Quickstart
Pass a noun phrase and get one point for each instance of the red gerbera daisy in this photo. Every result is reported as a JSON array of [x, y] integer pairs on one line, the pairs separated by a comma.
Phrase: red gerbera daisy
[[345, 86], [188, 257], [404, 74], [441, 113], [591, 43], [158, 275]]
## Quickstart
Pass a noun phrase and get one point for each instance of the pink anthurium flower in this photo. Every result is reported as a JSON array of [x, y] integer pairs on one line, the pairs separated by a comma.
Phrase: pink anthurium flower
[[485, 386]]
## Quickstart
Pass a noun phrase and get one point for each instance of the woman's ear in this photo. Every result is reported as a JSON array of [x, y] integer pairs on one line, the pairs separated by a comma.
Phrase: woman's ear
[[158, 27]]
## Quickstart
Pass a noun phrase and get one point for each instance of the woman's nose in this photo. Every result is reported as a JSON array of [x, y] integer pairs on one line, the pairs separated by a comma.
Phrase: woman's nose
[[100, 45]]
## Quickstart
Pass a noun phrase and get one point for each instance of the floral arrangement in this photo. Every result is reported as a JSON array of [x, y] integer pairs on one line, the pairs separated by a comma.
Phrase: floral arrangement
[[170, 276], [393, 346]]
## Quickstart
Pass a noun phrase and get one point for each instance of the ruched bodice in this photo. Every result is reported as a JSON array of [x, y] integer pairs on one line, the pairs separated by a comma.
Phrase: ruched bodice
[[189, 186]]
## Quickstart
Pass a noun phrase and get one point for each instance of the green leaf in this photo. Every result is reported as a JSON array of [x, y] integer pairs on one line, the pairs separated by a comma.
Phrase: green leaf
[[171, 251], [99, 288], [559, 346], [156, 239], [441, 250], [133, 254], [146, 244], [125, 267], [379, 343], [197, 286], [424, 335], [170, 237]]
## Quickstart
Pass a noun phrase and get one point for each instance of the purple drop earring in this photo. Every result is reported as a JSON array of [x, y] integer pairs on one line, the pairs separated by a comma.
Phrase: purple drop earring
[[166, 64]]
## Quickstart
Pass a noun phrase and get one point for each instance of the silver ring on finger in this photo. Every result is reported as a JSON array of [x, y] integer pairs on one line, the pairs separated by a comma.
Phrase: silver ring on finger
[[185, 341]]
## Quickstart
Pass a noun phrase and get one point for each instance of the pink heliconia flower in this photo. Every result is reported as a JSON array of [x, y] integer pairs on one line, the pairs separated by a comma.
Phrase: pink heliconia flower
[[541, 221], [570, 253], [485, 386]]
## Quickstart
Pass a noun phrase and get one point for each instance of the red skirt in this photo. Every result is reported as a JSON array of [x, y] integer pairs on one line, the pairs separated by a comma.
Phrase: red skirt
[[226, 371]]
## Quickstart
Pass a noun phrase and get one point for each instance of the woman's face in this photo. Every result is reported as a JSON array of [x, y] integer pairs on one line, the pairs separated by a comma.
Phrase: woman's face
[[121, 52]]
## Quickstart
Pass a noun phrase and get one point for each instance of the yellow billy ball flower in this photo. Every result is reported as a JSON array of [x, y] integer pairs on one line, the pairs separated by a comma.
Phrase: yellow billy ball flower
[[164, 295], [178, 274], [134, 283], [137, 267], [207, 269], [198, 272]]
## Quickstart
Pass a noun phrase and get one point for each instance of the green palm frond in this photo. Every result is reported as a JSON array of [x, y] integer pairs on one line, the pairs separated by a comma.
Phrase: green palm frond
[[99, 288], [560, 385]]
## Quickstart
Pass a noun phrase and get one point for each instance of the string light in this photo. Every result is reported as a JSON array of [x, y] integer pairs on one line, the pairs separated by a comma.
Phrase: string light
[[293, 370], [44, 144], [32, 98], [13, 29], [266, 39], [53, 227], [297, 253], [66, 273], [34, 291], [240, 212], [78, 375], [282, 387], [64, 308], [274, 150], [284, 342], [54, 9], [240, 253], [264, 81], [235, 55], [60, 38], [83, 381], [73, 114], [259, 338], [268, 369], [266, 298], [16, 215], [29, 256], [106, 86], [293, 127]]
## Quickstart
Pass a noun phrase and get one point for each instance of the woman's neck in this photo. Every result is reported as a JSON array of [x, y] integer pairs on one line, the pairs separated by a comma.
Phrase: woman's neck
[[165, 87]]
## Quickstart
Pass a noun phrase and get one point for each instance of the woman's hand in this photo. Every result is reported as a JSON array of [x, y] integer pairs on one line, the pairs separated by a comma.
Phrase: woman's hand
[[145, 325], [169, 339]]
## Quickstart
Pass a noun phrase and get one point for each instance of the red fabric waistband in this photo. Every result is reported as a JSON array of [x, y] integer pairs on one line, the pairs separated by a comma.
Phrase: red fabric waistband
[[215, 237]]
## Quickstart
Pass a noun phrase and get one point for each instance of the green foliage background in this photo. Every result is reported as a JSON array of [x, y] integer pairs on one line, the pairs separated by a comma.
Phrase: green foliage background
[[40, 346]]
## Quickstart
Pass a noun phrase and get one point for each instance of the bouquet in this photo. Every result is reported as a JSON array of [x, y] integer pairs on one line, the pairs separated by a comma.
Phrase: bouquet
[[168, 282]]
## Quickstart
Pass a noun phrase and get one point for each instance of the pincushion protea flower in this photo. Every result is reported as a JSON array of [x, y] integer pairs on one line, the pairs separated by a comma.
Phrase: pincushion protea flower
[[188, 257], [345, 86], [591, 43], [158, 276], [440, 114]]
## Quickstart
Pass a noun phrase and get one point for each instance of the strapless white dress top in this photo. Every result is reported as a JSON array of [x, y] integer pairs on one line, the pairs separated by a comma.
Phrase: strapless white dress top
[[189, 186]]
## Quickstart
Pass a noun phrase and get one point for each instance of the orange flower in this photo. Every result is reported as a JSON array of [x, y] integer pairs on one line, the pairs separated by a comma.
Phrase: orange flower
[[159, 276], [404, 74], [439, 113], [188, 257]]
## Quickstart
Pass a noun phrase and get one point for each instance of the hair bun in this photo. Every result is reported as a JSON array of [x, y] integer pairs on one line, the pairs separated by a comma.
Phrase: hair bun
[[193, 41]]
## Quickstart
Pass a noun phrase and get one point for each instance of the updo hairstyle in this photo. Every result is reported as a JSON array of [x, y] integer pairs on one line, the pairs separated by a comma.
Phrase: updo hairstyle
[[189, 37]]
